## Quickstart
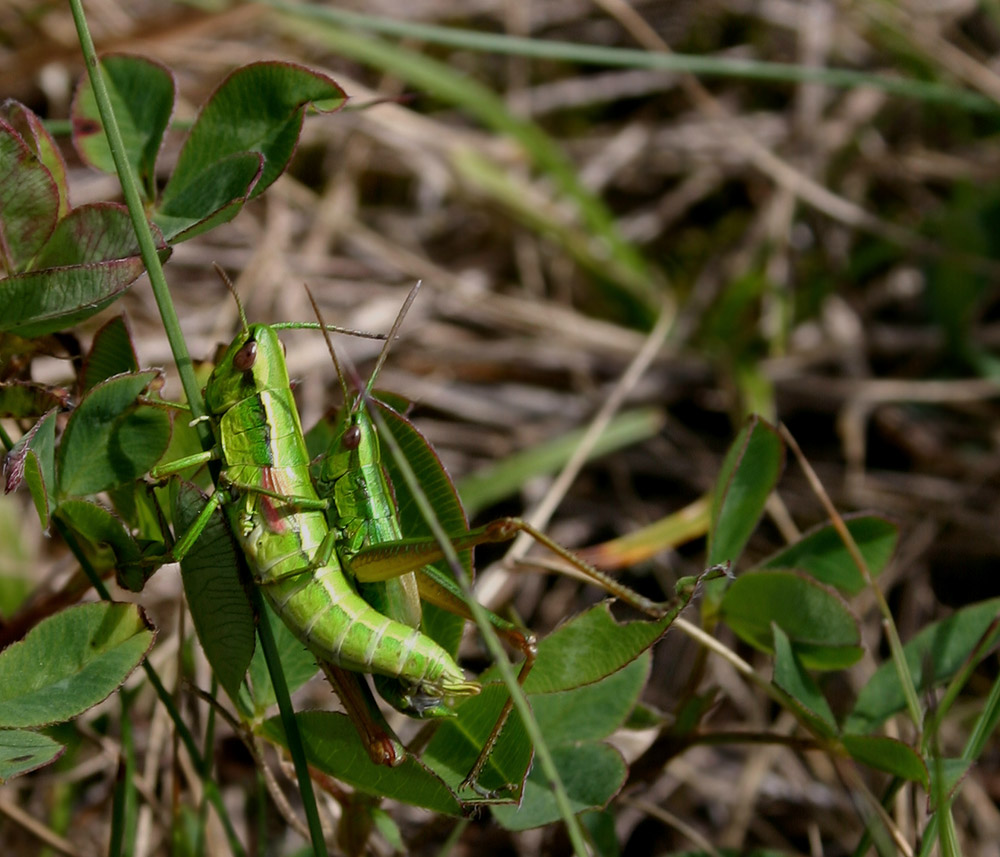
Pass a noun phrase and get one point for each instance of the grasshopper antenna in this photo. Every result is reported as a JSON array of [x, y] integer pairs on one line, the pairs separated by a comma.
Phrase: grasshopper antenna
[[365, 394], [232, 290], [329, 345], [384, 353]]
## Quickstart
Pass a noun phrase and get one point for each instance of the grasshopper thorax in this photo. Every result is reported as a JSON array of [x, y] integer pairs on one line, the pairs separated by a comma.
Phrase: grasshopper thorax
[[255, 361]]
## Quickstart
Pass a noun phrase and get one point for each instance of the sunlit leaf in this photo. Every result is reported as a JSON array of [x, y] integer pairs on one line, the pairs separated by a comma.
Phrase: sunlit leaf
[[70, 662], [258, 108], [142, 97], [111, 438]]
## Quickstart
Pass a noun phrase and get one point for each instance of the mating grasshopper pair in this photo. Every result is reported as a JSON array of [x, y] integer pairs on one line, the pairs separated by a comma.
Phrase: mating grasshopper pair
[[330, 557]]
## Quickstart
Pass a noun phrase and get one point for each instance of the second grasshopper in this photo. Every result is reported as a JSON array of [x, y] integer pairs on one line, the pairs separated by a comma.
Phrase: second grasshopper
[[394, 571]]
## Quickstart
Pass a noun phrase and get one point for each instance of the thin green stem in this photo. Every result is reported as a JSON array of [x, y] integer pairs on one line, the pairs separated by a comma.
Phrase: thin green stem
[[492, 641], [147, 245], [934, 720], [290, 724], [984, 727]]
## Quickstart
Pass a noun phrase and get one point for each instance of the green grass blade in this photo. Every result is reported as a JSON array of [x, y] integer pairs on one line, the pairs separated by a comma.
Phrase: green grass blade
[[599, 55]]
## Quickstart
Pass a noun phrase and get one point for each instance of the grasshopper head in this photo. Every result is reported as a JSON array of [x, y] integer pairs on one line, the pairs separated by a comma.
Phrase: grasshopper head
[[255, 361], [356, 444]]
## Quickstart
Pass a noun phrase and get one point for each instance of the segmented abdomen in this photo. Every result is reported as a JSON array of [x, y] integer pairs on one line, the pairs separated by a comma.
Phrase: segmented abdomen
[[327, 615]]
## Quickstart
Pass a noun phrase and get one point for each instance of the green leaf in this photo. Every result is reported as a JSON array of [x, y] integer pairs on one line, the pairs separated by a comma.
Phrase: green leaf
[[212, 197], [21, 752], [32, 460], [441, 626], [111, 353], [34, 134], [258, 108], [29, 202], [70, 662], [600, 826], [214, 588], [791, 676], [102, 529], [142, 96], [27, 400], [585, 713], [457, 742], [591, 646], [89, 259], [110, 438], [887, 754], [594, 711], [101, 232], [816, 619], [822, 552], [57, 299], [332, 745], [748, 475], [591, 773], [933, 657], [297, 663]]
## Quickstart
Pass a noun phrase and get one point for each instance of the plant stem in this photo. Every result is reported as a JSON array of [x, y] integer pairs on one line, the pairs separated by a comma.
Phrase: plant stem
[[143, 234], [290, 724]]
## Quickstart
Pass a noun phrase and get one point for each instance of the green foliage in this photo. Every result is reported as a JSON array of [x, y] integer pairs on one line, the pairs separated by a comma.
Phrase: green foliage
[[65, 665], [815, 618], [64, 264], [142, 94], [824, 556], [213, 587], [933, 656], [333, 747]]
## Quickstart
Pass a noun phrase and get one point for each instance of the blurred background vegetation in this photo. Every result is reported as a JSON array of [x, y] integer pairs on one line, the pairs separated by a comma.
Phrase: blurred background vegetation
[[809, 192]]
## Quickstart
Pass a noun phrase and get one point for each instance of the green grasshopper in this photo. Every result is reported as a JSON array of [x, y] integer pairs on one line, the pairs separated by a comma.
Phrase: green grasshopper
[[278, 520], [394, 573]]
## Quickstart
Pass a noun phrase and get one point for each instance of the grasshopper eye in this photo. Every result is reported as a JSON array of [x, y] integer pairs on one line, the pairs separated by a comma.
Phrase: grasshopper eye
[[352, 438], [246, 356]]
